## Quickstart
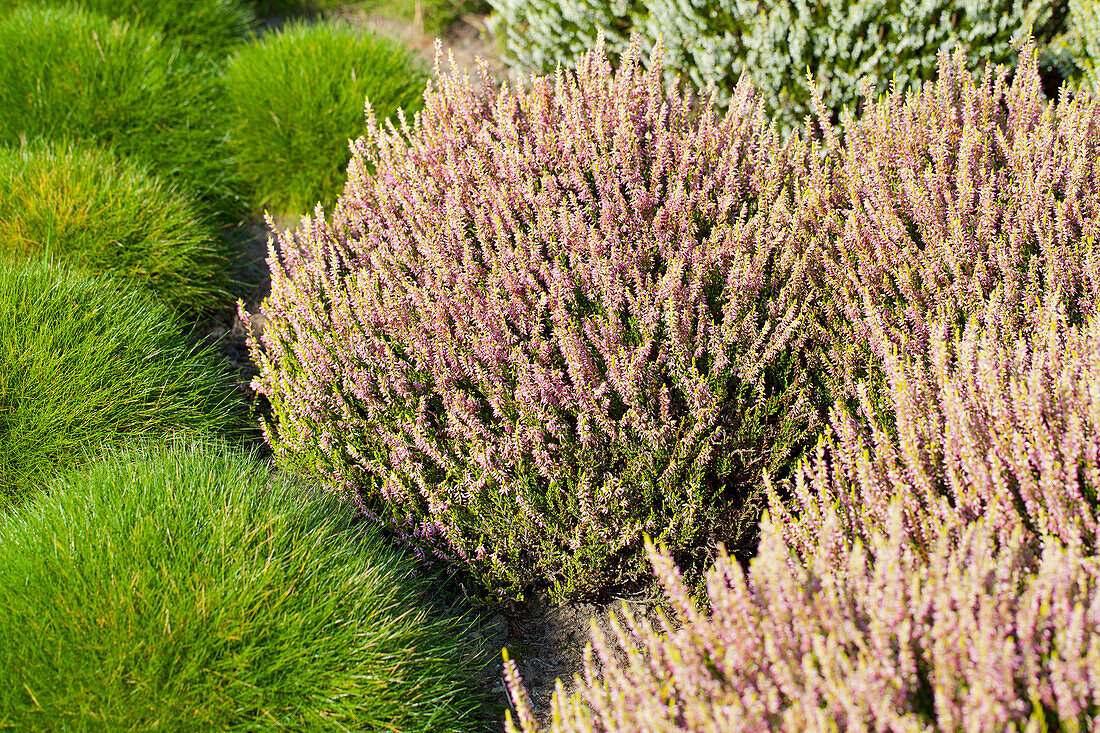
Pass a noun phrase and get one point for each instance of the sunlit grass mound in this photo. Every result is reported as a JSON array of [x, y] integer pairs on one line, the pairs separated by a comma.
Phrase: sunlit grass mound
[[211, 26], [83, 205], [186, 588], [85, 362], [65, 72], [296, 97]]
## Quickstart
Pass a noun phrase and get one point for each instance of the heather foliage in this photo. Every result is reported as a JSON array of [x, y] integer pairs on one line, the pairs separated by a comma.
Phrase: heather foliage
[[551, 321], [86, 362], [82, 205], [186, 587], [65, 72], [294, 99], [934, 567], [990, 424], [937, 571], [974, 199], [974, 633], [211, 26]]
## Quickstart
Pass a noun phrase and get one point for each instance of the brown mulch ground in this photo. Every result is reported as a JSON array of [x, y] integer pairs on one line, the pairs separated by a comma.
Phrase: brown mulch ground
[[547, 641]]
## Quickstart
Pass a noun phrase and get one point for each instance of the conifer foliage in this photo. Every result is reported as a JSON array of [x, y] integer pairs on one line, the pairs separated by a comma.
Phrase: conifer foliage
[[784, 44]]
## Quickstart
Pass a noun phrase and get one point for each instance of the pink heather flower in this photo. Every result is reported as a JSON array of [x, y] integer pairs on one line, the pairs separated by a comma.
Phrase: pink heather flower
[[967, 198]]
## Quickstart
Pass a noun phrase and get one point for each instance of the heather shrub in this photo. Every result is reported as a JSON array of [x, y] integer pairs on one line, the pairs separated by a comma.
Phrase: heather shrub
[[937, 572], [294, 99], [85, 362], [186, 587], [82, 205], [988, 424], [550, 321], [975, 198], [977, 634], [210, 26], [65, 72]]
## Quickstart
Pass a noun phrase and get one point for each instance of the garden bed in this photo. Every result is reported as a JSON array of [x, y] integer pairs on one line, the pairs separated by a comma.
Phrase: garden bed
[[546, 640]]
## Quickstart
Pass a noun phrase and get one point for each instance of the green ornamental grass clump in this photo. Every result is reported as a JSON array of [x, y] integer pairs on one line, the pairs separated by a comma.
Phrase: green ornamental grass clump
[[82, 205], [187, 588], [86, 361], [65, 72], [296, 97], [294, 6], [211, 26]]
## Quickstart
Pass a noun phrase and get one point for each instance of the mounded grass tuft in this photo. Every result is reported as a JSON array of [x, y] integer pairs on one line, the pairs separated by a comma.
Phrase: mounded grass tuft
[[295, 97], [185, 587], [83, 205], [87, 361], [212, 26], [65, 72]]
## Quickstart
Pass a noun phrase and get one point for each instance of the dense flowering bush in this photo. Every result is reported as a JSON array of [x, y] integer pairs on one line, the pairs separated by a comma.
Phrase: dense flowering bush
[[551, 321], [973, 634], [935, 566], [937, 572], [986, 425], [975, 198]]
